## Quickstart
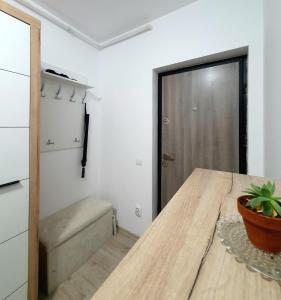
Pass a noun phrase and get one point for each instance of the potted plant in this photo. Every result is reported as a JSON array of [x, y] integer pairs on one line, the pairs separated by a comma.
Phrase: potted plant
[[261, 213]]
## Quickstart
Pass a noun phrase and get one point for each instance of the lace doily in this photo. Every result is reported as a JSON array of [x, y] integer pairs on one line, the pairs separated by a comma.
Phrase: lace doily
[[233, 236]]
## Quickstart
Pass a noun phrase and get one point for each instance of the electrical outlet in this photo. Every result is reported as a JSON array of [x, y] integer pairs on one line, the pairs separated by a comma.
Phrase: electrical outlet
[[138, 211]]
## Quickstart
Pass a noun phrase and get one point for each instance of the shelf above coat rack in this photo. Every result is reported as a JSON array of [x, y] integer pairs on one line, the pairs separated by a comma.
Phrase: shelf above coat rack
[[66, 80]]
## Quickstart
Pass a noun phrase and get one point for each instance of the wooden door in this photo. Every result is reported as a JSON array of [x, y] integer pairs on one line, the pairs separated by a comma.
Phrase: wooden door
[[200, 124]]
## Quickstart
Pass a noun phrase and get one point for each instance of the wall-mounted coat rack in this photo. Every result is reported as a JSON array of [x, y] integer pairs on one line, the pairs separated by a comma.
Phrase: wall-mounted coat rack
[[63, 82], [62, 112]]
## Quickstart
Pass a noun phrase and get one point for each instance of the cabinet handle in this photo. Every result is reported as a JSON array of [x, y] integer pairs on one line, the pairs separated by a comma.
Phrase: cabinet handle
[[50, 142], [9, 183]]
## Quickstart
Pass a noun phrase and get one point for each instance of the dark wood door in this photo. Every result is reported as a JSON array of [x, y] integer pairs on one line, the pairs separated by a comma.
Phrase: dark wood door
[[200, 124]]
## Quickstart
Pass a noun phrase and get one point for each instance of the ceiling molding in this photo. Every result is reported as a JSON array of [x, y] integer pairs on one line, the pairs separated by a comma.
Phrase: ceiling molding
[[77, 33], [125, 36]]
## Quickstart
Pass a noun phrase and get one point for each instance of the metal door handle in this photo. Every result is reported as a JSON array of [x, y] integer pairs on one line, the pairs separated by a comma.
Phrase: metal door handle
[[168, 157]]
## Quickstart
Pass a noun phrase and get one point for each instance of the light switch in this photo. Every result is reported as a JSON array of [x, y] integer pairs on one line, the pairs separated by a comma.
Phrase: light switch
[[139, 162]]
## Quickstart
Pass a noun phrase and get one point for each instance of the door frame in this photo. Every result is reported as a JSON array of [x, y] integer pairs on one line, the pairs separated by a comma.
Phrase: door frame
[[243, 146]]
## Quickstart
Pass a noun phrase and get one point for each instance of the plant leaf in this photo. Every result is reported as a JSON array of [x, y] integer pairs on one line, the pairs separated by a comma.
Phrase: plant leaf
[[257, 202], [266, 192], [267, 209], [252, 192], [269, 186], [277, 199], [256, 188], [276, 207], [263, 197]]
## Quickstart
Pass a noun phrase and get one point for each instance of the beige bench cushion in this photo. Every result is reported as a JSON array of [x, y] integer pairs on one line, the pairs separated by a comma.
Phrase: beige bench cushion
[[59, 227]]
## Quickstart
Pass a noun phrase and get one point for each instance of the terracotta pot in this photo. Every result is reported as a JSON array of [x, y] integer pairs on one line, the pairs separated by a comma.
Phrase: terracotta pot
[[263, 232]]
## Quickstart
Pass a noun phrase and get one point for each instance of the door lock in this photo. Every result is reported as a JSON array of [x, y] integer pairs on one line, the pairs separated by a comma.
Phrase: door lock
[[166, 121]]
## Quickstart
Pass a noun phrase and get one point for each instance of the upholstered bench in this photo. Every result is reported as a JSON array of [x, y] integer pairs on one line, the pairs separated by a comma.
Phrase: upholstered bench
[[69, 237]]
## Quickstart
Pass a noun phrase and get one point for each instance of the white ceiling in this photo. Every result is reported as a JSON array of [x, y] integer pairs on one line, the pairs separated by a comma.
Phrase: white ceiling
[[103, 20]]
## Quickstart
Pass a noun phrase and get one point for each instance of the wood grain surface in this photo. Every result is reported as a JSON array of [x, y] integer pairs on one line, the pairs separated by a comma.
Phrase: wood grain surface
[[177, 134], [201, 109], [34, 163], [180, 255]]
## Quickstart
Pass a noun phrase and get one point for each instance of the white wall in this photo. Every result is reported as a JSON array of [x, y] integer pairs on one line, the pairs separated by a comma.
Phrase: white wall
[[128, 128], [272, 99], [124, 121], [60, 172]]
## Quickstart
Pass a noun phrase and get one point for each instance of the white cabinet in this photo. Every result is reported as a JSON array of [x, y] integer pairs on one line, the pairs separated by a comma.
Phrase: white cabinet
[[14, 154], [13, 265], [20, 294], [14, 99], [14, 201], [19, 106], [15, 45]]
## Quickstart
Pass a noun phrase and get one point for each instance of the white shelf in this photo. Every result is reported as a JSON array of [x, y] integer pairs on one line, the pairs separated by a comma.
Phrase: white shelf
[[65, 80]]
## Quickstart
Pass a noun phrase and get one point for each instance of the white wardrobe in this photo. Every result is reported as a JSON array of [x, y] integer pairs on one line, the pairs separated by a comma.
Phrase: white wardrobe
[[19, 89]]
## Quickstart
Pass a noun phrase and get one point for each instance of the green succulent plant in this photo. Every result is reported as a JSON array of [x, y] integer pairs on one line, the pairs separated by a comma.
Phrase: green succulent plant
[[263, 199]]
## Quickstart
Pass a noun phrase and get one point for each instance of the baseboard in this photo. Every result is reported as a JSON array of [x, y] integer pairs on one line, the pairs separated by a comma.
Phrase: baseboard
[[122, 230]]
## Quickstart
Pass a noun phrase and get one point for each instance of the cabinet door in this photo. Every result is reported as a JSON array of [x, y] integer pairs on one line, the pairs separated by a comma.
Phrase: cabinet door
[[14, 99], [13, 264], [14, 154], [15, 44], [14, 201]]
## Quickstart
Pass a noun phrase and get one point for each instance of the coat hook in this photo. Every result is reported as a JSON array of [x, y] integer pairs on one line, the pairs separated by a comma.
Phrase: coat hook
[[72, 96], [76, 140], [43, 94], [84, 98], [58, 93]]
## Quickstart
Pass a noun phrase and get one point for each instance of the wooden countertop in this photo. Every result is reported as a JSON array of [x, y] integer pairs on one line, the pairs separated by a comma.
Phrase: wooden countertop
[[180, 255]]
